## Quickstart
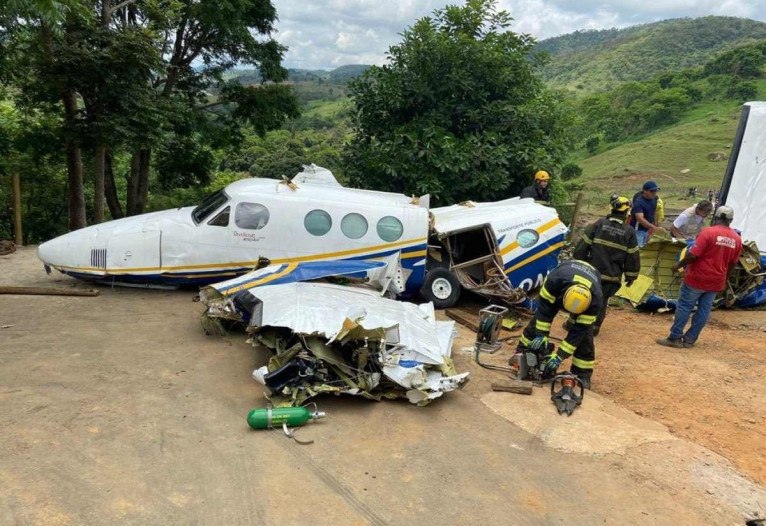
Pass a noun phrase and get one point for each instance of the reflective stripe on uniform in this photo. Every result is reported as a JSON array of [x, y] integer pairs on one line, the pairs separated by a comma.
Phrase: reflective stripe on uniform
[[524, 340], [613, 279], [567, 348], [542, 325], [633, 250], [585, 319], [631, 274], [547, 295], [587, 240], [610, 244], [583, 364], [582, 281]]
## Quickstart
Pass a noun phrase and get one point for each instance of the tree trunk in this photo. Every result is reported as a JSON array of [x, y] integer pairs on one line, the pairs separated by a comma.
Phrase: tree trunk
[[98, 183], [130, 208], [110, 188], [75, 188], [145, 156]]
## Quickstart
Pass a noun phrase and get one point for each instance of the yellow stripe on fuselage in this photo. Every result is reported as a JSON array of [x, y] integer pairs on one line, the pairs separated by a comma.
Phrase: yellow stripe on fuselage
[[530, 259], [543, 228], [240, 264], [262, 281]]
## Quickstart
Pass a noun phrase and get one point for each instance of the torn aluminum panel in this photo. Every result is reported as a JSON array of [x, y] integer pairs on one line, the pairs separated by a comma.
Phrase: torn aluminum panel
[[386, 275], [224, 299], [331, 338]]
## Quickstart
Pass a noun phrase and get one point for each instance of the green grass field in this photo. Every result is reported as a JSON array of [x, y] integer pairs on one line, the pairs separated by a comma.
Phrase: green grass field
[[326, 108], [677, 158], [664, 155]]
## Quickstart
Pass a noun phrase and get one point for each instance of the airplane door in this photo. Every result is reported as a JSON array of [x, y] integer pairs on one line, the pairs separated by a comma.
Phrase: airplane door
[[195, 250], [250, 224], [134, 252]]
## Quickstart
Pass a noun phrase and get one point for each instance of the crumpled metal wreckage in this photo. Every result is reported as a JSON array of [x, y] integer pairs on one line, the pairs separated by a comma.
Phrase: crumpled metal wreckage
[[657, 286], [328, 338]]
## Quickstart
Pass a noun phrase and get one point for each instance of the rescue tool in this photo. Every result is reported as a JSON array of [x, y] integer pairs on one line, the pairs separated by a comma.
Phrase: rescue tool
[[566, 398]]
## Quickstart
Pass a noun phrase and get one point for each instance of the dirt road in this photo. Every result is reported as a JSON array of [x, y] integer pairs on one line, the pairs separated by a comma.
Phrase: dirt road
[[119, 410]]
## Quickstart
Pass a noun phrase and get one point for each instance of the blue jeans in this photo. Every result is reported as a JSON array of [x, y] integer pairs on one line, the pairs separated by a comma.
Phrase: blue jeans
[[641, 236], [687, 298]]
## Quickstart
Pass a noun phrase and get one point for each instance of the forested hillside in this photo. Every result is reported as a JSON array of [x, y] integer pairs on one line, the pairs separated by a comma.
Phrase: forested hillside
[[103, 124], [594, 60]]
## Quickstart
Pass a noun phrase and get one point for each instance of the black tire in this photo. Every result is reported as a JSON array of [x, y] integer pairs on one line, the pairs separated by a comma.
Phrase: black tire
[[441, 287]]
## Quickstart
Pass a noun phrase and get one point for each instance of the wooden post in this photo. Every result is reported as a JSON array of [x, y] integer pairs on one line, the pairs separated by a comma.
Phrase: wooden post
[[578, 205], [44, 291], [18, 234], [513, 386]]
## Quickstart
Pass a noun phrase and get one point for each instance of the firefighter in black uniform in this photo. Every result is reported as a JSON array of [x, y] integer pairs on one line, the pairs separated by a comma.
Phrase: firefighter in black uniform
[[610, 245], [574, 286], [539, 191]]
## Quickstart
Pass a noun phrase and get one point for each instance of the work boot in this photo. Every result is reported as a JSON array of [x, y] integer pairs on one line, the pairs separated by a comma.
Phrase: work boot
[[596, 329], [671, 342], [688, 345], [583, 375]]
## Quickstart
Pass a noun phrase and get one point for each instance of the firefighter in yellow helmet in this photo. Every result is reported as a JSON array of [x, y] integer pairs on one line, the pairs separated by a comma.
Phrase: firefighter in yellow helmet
[[539, 191], [611, 246], [574, 286]]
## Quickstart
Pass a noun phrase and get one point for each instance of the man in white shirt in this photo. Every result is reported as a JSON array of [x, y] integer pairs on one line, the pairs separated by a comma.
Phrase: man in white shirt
[[688, 224]]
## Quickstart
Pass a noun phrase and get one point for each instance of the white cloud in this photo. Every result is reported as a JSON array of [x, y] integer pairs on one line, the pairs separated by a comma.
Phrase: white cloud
[[323, 34]]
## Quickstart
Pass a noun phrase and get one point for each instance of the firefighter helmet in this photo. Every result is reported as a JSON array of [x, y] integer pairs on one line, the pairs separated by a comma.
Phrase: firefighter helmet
[[577, 299], [620, 204]]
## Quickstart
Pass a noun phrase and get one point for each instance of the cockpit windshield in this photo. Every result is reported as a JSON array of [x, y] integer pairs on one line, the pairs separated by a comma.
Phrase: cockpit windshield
[[211, 203]]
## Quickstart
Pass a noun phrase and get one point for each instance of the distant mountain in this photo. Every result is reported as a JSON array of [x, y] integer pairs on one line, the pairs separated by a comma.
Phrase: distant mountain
[[594, 60], [339, 75]]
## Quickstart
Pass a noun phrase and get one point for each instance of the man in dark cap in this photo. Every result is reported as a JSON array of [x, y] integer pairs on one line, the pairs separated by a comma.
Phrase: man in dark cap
[[644, 212]]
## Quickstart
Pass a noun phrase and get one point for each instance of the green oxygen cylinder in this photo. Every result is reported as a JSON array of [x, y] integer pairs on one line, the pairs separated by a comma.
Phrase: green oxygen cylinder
[[275, 417]]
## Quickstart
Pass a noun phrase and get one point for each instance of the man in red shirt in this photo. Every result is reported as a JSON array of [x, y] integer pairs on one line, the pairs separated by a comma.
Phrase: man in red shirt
[[708, 266]]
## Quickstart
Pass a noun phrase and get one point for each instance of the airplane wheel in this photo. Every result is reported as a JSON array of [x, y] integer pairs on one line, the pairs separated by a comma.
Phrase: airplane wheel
[[441, 287]]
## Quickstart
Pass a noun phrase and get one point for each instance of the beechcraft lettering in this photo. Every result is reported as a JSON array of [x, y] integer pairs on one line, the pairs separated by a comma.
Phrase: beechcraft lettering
[[491, 248]]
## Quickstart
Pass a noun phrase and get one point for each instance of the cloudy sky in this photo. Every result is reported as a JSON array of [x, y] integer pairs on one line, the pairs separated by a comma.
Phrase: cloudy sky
[[325, 34]]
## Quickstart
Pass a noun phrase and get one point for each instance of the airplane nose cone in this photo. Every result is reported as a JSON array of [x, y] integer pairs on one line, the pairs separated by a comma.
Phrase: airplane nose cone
[[50, 252], [69, 250]]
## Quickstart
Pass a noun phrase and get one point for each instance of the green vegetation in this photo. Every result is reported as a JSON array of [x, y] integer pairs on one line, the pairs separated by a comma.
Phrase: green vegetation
[[587, 61], [116, 85], [459, 111], [677, 158]]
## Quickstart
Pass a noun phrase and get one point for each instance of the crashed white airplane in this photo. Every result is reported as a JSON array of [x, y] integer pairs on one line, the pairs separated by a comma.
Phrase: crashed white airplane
[[496, 249]]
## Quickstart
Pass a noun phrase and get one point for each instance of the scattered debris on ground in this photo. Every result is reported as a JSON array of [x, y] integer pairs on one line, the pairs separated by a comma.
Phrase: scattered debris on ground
[[328, 338]]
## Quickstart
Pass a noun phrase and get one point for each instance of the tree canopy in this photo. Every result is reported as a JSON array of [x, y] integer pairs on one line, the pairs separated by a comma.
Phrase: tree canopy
[[458, 111], [132, 77]]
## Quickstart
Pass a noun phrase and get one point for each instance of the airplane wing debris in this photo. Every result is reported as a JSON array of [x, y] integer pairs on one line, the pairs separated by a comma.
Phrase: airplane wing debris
[[386, 275], [329, 338]]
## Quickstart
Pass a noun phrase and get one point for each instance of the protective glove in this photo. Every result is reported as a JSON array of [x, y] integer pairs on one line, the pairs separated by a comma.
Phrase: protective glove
[[629, 282], [551, 365], [540, 342]]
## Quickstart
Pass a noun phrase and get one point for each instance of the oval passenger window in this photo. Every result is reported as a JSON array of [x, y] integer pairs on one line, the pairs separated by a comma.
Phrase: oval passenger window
[[317, 222], [390, 228], [353, 225]]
